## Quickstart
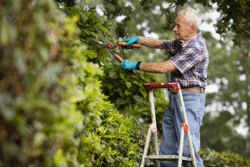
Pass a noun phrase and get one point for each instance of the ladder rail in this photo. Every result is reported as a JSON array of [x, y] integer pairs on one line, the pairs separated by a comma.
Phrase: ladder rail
[[152, 106], [180, 157], [184, 115], [181, 148], [146, 148], [151, 97]]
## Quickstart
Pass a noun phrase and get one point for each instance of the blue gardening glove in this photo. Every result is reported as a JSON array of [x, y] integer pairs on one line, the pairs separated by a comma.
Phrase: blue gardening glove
[[128, 65], [132, 40]]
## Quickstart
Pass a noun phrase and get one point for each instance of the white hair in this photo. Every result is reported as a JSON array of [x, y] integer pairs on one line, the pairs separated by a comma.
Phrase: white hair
[[192, 16]]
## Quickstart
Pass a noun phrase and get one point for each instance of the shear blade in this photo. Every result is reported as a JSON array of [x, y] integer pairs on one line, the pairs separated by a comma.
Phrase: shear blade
[[100, 43]]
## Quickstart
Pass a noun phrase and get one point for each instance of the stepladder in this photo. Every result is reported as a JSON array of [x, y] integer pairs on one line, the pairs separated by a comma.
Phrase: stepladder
[[153, 129]]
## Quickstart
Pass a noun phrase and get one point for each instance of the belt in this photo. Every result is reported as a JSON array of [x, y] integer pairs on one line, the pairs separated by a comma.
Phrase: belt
[[199, 90]]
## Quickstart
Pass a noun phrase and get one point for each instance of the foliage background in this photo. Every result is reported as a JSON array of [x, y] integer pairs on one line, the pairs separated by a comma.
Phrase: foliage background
[[66, 102]]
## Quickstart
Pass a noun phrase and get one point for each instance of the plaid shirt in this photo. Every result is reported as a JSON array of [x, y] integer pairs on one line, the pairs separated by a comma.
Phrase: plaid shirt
[[190, 59]]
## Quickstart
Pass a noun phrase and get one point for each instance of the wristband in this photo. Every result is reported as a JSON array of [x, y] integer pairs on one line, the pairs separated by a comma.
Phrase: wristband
[[138, 65]]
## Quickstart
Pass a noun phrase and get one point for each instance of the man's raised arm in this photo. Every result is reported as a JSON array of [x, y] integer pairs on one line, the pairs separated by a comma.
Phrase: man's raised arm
[[150, 42], [146, 41]]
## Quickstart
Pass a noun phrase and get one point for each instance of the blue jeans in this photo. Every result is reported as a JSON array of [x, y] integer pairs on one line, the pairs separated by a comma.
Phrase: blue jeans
[[171, 124]]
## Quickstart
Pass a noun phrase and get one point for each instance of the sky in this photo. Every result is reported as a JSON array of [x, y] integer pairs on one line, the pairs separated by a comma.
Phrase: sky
[[214, 15]]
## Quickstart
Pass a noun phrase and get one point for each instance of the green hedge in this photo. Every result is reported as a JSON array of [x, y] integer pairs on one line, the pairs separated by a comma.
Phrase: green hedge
[[223, 159], [214, 159], [37, 119], [52, 110]]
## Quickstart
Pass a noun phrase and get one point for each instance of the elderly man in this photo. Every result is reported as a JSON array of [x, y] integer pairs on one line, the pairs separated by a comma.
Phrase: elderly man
[[188, 66]]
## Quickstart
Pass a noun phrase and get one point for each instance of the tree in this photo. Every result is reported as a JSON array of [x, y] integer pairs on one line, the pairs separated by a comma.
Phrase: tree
[[234, 20], [68, 3], [218, 132]]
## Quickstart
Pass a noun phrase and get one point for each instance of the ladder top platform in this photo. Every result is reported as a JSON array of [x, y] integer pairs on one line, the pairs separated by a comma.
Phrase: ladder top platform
[[151, 86]]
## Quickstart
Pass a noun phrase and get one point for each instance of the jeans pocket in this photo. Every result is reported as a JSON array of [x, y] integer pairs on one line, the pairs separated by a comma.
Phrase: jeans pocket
[[193, 109]]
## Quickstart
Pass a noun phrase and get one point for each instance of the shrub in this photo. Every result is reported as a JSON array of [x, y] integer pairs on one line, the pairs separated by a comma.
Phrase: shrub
[[223, 159]]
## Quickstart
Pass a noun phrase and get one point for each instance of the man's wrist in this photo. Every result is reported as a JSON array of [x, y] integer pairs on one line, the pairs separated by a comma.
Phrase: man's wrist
[[137, 67], [138, 39]]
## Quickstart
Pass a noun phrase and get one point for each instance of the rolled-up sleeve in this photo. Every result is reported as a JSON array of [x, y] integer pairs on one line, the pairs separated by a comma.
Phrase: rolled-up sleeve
[[171, 46]]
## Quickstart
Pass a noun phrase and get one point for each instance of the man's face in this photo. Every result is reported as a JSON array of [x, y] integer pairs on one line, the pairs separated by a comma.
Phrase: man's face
[[183, 31]]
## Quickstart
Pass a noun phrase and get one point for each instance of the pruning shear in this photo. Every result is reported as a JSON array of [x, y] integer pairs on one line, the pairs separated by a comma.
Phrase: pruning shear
[[111, 45], [115, 44]]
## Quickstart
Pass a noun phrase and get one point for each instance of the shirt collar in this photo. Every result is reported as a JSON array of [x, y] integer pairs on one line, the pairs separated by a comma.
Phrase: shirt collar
[[191, 40]]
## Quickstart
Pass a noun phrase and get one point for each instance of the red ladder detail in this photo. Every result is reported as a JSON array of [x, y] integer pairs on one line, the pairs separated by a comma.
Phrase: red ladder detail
[[185, 126]]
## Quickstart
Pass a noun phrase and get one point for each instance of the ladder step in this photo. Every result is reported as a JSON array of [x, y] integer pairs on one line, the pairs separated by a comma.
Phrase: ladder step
[[167, 157]]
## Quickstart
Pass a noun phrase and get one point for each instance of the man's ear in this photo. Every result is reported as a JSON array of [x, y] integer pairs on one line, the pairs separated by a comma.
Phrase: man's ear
[[193, 27]]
